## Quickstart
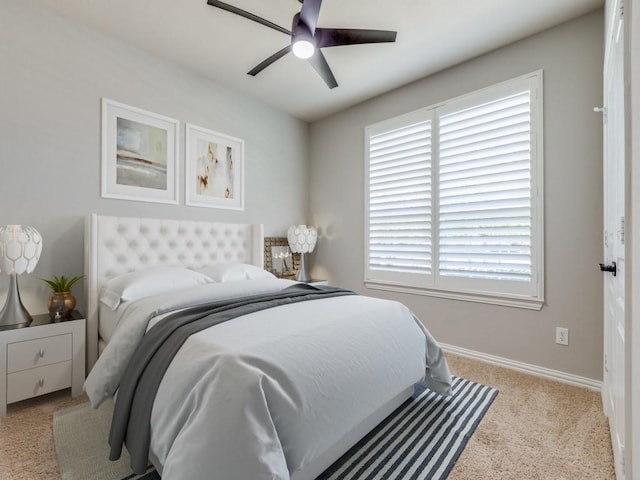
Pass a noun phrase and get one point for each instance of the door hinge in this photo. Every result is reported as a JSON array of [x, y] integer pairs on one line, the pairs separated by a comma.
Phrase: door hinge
[[603, 111], [606, 364], [621, 231], [623, 462]]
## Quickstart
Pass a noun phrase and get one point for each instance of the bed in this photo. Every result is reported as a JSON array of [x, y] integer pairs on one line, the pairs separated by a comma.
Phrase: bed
[[277, 393]]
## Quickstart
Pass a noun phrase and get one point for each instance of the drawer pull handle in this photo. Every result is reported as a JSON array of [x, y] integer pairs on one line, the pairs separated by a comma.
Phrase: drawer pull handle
[[41, 382], [41, 352]]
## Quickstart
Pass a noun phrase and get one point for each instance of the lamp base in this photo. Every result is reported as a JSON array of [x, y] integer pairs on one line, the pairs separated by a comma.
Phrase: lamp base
[[13, 314], [303, 275]]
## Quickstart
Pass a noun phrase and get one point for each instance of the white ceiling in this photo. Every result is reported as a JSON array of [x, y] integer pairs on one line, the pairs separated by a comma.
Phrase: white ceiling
[[432, 35]]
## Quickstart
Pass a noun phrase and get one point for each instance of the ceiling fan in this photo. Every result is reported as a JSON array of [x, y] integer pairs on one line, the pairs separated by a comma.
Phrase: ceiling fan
[[307, 39]]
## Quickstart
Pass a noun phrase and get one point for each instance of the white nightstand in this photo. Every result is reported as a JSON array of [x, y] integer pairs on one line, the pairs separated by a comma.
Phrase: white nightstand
[[41, 358]]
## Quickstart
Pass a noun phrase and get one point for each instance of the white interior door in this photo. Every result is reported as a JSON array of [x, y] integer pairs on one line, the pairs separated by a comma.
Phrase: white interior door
[[614, 249]]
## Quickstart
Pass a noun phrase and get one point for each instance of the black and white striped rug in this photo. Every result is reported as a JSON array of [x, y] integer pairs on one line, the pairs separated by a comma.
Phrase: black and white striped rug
[[421, 440]]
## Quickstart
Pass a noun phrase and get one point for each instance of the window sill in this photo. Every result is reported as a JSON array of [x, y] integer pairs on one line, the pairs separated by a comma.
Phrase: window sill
[[505, 301]]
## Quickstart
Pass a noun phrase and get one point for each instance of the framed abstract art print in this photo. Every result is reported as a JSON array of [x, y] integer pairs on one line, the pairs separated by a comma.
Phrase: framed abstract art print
[[139, 154], [214, 169]]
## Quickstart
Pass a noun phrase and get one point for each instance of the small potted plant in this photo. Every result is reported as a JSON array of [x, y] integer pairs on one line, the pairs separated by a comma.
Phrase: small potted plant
[[62, 301]]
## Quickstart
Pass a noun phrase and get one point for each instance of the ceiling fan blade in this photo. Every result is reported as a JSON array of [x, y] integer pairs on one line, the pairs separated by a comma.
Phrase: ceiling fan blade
[[265, 63], [334, 37], [322, 67], [309, 14], [245, 14]]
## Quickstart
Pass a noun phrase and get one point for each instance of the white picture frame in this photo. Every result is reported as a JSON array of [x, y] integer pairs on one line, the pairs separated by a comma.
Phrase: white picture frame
[[139, 154], [214, 170]]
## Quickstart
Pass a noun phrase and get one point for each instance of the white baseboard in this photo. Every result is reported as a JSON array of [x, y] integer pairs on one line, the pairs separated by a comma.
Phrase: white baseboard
[[556, 375]]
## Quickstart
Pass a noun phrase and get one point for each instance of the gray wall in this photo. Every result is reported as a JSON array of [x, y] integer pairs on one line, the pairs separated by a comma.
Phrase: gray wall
[[571, 56], [53, 73]]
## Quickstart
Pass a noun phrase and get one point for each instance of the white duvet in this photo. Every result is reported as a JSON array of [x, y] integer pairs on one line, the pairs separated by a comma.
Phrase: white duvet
[[262, 396]]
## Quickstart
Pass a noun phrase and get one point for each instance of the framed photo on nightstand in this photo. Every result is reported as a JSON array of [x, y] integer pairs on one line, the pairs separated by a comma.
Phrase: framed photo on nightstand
[[278, 258]]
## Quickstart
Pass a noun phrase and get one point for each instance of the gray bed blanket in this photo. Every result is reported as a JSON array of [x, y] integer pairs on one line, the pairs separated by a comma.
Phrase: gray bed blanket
[[131, 422]]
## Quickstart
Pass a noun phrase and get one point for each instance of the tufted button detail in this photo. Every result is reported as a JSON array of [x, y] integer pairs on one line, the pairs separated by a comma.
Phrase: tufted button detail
[[129, 244]]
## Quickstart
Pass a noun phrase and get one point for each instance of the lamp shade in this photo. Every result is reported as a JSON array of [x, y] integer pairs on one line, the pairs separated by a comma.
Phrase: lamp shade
[[20, 248], [302, 239]]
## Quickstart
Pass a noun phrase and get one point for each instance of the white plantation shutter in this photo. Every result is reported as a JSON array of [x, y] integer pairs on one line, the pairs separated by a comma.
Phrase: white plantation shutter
[[485, 190], [400, 199], [453, 198]]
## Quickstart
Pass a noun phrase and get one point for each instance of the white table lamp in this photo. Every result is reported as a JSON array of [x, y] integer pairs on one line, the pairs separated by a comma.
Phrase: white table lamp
[[20, 248], [302, 239]]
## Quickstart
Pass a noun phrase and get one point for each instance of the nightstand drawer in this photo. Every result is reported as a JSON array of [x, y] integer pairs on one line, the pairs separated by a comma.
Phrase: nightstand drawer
[[38, 381], [38, 352]]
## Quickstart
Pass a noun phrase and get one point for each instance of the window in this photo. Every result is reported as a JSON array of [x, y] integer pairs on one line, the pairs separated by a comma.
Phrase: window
[[454, 198]]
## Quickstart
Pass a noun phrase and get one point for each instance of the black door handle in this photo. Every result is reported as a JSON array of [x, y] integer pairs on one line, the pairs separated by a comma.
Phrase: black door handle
[[609, 268]]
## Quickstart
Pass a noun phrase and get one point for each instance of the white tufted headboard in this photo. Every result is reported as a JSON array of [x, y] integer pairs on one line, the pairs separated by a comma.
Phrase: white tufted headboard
[[117, 245]]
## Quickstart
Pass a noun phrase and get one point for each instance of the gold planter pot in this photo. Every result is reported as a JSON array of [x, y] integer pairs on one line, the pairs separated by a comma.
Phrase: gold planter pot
[[60, 305]]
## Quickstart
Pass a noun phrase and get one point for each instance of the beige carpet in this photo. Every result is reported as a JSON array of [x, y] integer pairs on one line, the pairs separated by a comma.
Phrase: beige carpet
[[535, 429], [26, 437]]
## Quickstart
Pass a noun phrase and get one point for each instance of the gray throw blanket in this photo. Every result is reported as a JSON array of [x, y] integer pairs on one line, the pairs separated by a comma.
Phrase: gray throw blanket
[[131, 422]]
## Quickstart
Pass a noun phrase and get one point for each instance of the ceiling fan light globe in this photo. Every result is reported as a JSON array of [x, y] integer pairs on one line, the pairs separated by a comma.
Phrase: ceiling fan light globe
[[303, 49]]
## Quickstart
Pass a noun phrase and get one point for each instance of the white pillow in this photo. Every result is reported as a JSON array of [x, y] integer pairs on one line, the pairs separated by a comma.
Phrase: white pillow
[[151, 281], [230, 272]]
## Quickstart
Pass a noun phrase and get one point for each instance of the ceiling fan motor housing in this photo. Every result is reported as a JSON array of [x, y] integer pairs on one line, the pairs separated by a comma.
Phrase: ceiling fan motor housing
[[307, 39]]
